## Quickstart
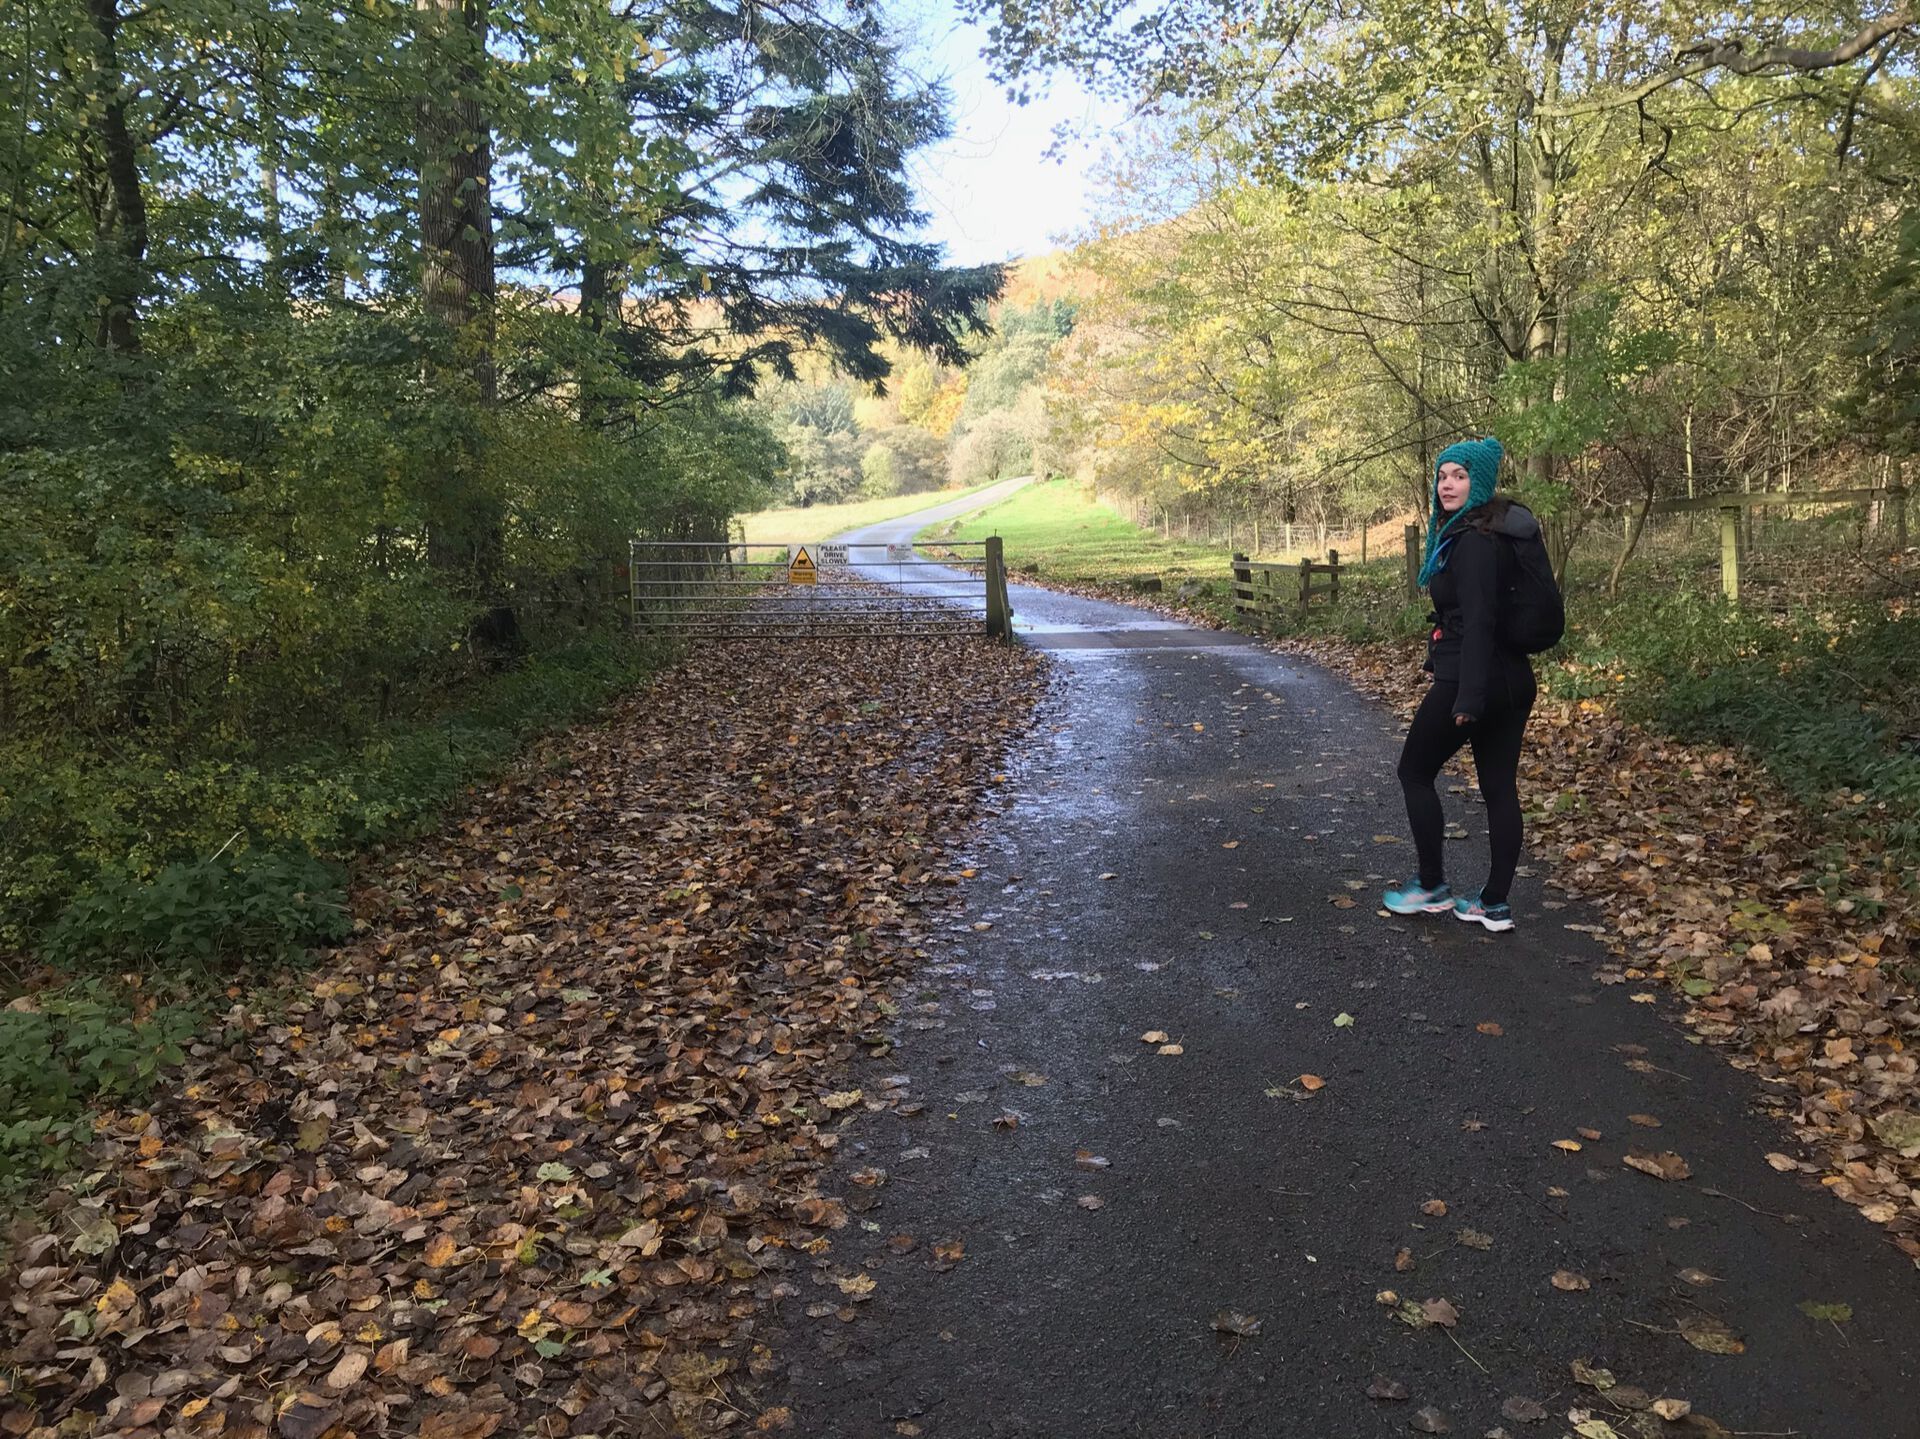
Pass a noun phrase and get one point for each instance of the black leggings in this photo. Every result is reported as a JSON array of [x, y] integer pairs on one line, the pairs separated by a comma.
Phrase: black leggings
[[1433, 738]]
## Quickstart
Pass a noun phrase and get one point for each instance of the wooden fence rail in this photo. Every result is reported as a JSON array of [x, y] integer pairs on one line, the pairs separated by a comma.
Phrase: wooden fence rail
[[1731, 505], [1258, 591]]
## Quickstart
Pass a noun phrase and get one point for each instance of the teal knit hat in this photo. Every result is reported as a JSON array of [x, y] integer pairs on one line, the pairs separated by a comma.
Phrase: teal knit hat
[[1481, 460]]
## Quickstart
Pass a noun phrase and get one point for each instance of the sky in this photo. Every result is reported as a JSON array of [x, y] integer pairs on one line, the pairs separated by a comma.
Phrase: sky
[[989, 191]]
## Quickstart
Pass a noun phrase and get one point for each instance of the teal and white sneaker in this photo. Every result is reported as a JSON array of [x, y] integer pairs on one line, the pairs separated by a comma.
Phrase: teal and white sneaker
[[1414, 897], [1494, 916]]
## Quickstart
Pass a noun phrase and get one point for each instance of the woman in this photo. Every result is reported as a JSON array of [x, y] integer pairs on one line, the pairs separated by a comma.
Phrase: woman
[[1482, 691]]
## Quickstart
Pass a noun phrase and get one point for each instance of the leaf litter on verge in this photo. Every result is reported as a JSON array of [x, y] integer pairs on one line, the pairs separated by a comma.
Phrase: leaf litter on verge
[[669, 855]]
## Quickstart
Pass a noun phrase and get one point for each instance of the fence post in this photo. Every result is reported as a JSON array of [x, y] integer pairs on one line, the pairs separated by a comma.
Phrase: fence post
[[999, 609], [1730, 553], [1242, 575], [1306, 586], [633, 586], [1897, 497], [1333, 558], [1412, 537], [1265, 608]]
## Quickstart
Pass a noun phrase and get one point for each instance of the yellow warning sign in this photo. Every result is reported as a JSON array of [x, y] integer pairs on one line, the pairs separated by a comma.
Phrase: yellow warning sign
[[802, 570]]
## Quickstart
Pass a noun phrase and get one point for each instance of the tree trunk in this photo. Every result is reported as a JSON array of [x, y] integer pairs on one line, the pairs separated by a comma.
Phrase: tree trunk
[[1636, 523], [466, 534], [1543, 340], [121, 238]]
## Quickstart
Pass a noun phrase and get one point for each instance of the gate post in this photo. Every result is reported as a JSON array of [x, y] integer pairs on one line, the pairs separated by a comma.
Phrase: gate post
[[1411, 536], [999, 608], [1242, 580], [1730, 554]]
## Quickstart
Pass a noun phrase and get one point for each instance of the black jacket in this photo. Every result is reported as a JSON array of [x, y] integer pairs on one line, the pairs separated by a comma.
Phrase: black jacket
[[1464, 646]]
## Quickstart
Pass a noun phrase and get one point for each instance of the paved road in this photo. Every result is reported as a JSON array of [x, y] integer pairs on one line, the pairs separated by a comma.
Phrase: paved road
[[1172, 853]]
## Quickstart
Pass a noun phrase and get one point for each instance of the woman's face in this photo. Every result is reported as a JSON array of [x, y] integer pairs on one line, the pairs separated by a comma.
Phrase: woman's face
[[1453, 486]]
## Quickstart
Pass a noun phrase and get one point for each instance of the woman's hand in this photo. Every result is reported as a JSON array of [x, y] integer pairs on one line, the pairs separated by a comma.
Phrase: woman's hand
[[1463, 719]]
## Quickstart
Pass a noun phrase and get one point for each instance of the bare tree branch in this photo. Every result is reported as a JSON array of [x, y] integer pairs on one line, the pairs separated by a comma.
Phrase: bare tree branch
[[1733, 55]]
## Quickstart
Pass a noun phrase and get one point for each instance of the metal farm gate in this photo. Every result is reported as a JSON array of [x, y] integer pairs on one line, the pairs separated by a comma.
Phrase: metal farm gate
[[732, 590]]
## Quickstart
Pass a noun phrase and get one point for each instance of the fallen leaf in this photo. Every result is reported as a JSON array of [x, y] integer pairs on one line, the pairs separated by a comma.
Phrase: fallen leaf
[[1672, 1409], [348, 1372], [1698, 1277], [1590, 1135], [1899, 1130], [1403, 1260], [1311, 1082], [1831, 1313], [1665, 1165], [307, 1416], [1711, 1335], [951, 1252], [1232, 1321], [1170, 1049], [1441, 1312], [1231, 844], [1785, 1164], [1474, 1239], [1381, 1387], [1434, 1208], [1488, 1026], [1592, 1376], [1343, 1020], [1523, 1410], [1569, 1282], [1091, 1201], [1154, 1036], [1430, 1421], [1645, 1121], [1596, 1429], [1571, 1146]]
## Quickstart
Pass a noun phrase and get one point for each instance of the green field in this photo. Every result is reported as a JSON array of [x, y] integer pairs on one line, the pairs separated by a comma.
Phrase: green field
[[1056, 531], [803, 525]]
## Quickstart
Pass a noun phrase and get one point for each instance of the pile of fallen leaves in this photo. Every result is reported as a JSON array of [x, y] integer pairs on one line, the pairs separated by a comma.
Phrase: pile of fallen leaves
[[538, 1149]]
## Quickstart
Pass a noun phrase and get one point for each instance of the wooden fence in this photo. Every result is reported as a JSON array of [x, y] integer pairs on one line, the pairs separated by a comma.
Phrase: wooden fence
[[1259, 591], [1732, 506]]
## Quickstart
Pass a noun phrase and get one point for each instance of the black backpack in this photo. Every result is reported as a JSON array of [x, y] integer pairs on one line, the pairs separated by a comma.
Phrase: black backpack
[[1533, 617]]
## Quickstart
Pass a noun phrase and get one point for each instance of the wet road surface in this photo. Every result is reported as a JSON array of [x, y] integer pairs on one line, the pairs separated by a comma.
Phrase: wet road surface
[[1174, 851]]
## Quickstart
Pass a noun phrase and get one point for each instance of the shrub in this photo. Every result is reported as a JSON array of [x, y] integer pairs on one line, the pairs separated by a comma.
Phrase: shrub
[[61, 1051], [254, 907]]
